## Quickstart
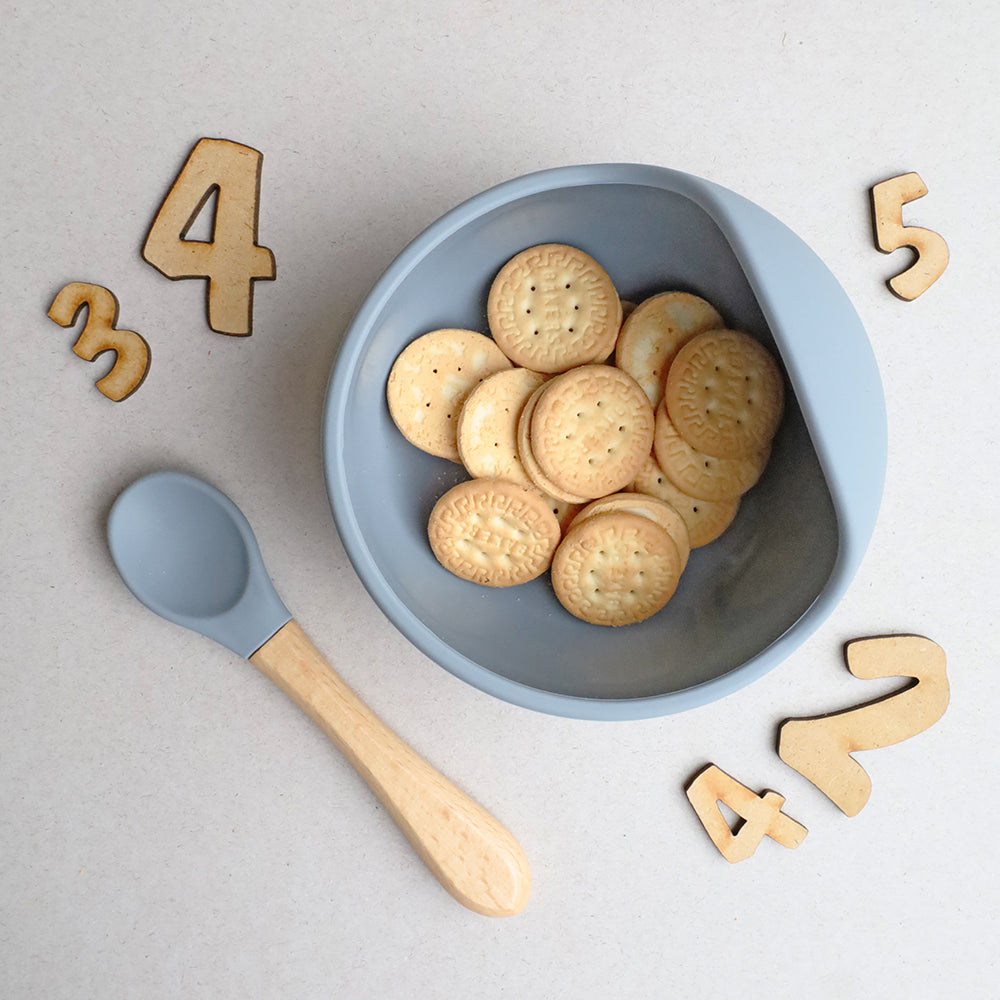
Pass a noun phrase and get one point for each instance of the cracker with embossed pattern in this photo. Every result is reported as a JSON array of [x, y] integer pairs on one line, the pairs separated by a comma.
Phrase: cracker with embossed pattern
[[430, 380], [527, 456], [663, 513], [615, 568], [493, 532], [487, 433], [725, 394], [591, 429], [699, 475], [553, 307], [487, 425], [706, 519], [655, 331]]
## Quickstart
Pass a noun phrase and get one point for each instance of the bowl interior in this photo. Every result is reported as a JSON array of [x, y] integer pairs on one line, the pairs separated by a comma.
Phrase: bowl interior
[[738, 594]]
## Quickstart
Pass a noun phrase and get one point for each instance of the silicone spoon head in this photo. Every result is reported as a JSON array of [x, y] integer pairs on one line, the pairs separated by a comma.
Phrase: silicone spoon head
[[187, 552]]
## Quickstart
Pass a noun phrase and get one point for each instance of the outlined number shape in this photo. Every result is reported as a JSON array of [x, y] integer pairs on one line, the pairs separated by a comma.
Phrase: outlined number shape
[[888, 199], [100, 334], [232, 260], [761, 814], [820, 748]]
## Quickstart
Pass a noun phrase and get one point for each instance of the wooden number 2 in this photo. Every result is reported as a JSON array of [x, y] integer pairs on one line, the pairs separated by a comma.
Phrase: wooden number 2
[[100, 334], [820, 748], [888, 199], [232, 260], [762, 815]]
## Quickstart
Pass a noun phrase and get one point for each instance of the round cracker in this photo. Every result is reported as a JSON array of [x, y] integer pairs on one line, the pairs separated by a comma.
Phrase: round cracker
[[725, 394], [552, 307], [663, 513], [699, 475], [706, 519], [527, 455], [591, 429], [429, 381], [655, 331], [487, 425], [615, 568], [493, 532]]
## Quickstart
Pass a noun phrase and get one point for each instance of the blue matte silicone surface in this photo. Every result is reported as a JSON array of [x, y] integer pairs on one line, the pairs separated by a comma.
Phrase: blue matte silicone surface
[[745, 601], [187, 552]]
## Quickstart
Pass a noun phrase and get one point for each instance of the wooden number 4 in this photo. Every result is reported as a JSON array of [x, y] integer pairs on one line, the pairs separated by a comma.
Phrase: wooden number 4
[[232, 260], [820, 748], [761, 814]]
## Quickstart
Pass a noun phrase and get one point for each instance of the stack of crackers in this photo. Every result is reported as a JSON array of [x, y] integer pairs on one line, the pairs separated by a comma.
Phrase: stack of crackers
[[600, 450]]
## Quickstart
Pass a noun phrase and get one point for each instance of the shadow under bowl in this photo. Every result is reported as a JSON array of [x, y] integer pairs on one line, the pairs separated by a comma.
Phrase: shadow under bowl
[[745, 601]]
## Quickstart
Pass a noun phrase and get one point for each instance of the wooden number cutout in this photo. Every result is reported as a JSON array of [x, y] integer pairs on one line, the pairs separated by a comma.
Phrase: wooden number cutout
[[888, 199], [232, 260], [100, 334], [762, 815], [819, 748]]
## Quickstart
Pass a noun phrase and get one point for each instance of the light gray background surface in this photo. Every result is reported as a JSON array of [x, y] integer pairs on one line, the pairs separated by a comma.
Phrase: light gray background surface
[[170, 825]]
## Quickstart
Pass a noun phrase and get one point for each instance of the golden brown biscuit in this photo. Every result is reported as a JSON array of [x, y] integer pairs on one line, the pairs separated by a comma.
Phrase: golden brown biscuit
[[487, 425], [552, 307], [591, 429], [527, 455], [706, 519], [493, 532], [700, 475], [429, 381], [615, 569], [663, 513], [655, 331], [725, 394]]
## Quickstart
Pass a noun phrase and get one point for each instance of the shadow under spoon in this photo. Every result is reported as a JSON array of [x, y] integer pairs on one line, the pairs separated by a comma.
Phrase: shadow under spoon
[[186, 551]]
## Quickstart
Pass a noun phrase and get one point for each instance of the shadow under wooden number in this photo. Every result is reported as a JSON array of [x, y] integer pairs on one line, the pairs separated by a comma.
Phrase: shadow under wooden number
[[100, 334], [232, 260], [819, 748], [888, 199], [761, 815]]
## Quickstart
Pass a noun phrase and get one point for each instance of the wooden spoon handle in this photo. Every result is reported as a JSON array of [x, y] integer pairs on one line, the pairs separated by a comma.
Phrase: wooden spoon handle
[[473, 856]]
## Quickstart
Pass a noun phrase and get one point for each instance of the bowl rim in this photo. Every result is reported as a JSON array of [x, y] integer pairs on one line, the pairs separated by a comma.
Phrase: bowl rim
[[855, 520]]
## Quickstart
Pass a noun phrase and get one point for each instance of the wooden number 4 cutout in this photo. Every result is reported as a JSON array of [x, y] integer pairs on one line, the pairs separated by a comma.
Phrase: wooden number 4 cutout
[[232, 260], [820, 748], [761, 814], [888, 199], [100, 334]]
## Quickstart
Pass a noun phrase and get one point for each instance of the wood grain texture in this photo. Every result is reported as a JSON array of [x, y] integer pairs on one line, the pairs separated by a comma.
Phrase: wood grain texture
[[100, 333], [820, 748], [233, 260], [888, 198], [761, 815], [473, 856]]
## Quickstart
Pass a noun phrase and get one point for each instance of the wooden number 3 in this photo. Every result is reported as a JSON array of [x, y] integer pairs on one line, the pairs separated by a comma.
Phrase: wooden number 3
[[232, 260], [820, 748], [888, 199], [100, 334]]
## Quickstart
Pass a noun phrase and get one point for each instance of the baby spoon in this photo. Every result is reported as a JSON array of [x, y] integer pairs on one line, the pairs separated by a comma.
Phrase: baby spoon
[[187, 552]]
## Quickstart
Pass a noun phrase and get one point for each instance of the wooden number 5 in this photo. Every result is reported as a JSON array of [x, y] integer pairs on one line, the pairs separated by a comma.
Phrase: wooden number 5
[[888, 199], [100, 334], [232, 260], [762, 815], [820, 748]]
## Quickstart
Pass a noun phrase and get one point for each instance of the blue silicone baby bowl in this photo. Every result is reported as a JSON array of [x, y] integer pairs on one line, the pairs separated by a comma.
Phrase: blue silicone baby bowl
[[745, 601]]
